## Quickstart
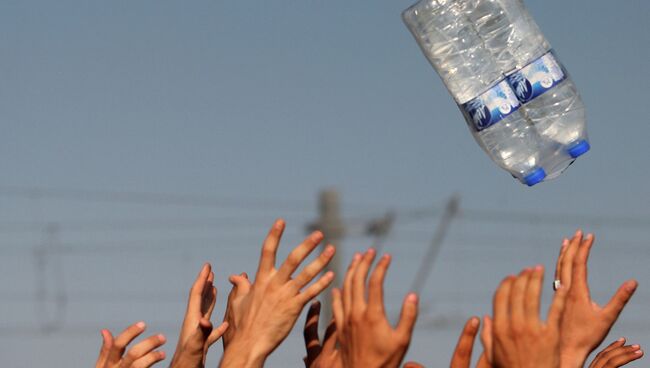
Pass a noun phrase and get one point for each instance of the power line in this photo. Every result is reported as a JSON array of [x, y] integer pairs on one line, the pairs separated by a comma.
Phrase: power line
[[157, 199]]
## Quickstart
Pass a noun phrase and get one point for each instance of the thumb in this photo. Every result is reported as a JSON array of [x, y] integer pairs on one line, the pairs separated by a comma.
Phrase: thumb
[[409, 315], [216, 334], [624, 293]]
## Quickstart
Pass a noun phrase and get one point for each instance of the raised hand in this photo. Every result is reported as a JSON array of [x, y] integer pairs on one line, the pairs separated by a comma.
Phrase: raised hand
[[240, 288], [320, 355], [521, 339], [365, 336], [617, 354], [462, 357], [114, 354], [585, 324], [197, 333], [266, 310]]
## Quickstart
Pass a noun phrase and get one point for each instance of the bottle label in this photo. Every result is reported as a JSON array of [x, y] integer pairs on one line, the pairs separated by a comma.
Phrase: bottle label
[[537, 77], [491, 107]]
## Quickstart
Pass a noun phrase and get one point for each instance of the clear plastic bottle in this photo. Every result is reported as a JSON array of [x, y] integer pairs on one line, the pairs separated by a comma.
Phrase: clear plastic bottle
[[452, 45], [551, 100]]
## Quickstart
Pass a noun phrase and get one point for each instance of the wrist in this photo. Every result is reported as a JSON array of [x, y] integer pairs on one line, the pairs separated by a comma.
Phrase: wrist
[[573, 358], [242, 353]]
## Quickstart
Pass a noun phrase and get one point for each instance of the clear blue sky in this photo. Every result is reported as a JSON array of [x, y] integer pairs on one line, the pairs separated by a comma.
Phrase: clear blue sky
[[275, 100]]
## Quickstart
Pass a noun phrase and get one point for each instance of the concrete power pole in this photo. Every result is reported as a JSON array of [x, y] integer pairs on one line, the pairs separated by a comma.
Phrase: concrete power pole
[[331, 224]]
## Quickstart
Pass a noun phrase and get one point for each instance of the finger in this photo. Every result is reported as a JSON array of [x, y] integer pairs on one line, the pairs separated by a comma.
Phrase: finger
[[579, 277], [483, 361], [298, 255], [107, 343], [196, 291], [315, 267], [216, 333], [558, 265], [517, 297], [149, 359], [463, 352], [623, 295], [609, 359], [486, 338], [208, 297], [210, 300], [501, 305], [310, 332], [616, 344], [337, 309], [329, 341], [567, 259], [623, 359], [533, 295], [142, 348], [376, 285], [270, 247], [347, 283], [413, 365], [408, 316], [316, 288], [359, 281], [120, 343], [241, 285], [557, 306]]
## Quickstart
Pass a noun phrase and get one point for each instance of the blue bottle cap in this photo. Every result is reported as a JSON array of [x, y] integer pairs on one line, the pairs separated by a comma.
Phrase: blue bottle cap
[[579, 148], [536, 176]]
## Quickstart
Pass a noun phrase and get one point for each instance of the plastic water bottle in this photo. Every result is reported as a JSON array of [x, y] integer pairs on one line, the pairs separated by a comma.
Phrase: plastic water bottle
[[452, 45], [551, 100]]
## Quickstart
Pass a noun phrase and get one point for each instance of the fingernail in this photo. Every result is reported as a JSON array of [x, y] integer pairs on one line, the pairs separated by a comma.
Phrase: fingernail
[[329, 275], [317, 236], [539, 268], [636, 346], [631, 286], [386, 256], [474, 322], [162, 338], [412, 298], [163, 354], [279, 224], [565, 242], [638, 352], [371, 251], [357, 255], [622, 339], [140, 324], [329, 250]]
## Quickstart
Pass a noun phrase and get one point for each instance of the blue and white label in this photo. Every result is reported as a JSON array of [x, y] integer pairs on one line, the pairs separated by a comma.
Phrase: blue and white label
[[491, 107], [537, 77]]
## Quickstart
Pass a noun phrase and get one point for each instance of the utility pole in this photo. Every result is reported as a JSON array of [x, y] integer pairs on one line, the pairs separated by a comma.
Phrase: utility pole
[[331, 224], [438, 237], [47, 258]]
